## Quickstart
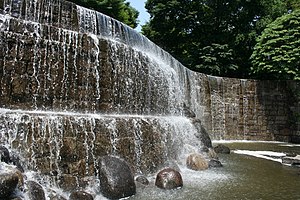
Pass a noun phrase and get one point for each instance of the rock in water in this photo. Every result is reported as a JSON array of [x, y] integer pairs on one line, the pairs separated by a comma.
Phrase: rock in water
[[8, 183], [80, 195], [142, 180], [214, 163], [168, 178], [35, 191], [196, 162], [4, 154], [222, 149], [116, 178]]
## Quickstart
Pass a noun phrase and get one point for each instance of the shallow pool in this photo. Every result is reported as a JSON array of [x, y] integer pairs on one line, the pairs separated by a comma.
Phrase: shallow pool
[[242, 177]]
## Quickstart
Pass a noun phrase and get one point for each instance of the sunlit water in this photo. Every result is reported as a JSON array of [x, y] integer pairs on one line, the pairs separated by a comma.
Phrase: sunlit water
[[242, 177]]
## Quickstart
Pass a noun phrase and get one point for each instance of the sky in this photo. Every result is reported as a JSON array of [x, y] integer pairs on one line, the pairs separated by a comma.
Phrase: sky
[[140, 6]]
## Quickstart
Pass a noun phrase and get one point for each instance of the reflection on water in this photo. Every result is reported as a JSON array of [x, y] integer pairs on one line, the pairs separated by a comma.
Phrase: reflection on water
[[242, 177]]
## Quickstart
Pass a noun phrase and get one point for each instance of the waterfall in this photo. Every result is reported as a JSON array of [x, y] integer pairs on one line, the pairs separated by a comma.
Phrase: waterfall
[[58, 141], [77, 85]]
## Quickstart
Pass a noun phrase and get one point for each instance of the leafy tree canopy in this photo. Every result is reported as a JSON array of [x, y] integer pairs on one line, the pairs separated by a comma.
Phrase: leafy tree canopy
[[277, 54], [212, 36], [118, 9]]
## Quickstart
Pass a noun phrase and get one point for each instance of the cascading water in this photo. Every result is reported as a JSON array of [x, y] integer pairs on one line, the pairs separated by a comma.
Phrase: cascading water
[[77, 85]]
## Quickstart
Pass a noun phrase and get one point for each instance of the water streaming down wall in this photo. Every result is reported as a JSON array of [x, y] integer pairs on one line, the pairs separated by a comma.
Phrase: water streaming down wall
[[90, 70], [67, 145], [76, 84]]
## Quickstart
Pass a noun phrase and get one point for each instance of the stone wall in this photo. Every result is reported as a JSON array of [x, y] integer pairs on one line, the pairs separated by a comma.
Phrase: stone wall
[[251, 109], [48, 64]]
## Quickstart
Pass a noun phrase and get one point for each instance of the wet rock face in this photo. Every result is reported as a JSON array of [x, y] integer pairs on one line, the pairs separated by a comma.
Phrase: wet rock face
[[168, 178], [202, 134], [116, 178]]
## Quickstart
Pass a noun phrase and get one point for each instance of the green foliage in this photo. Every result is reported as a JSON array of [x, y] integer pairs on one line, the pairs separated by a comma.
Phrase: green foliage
[[117, 9], [216, 59], [277, 54], [211, 36]]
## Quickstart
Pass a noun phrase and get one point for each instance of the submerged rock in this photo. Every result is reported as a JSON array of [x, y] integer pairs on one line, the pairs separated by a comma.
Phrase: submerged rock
[[80, 195], [168, 178], [291, 160], [220, 148], [142, 180], [214, 163], [116, 178], [196, 162]]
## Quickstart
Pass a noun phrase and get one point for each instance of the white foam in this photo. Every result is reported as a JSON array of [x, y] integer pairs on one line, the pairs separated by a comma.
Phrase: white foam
[[268, 155], [245, 141], [290, 145]]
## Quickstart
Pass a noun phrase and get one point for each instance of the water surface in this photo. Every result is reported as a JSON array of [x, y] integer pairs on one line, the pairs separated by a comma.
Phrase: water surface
[[242, 177]]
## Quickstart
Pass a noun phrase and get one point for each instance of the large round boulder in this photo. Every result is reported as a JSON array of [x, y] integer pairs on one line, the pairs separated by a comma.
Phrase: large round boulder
[[168, 178], [116, 178], [8, 183], [196, 162]]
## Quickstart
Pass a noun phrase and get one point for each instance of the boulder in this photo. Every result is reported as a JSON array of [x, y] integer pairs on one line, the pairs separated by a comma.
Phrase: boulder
[[214, 163], [35, 191], [220, 148], [196, 162], [168, 178], [8, 183], [116, 178], [80, 195]]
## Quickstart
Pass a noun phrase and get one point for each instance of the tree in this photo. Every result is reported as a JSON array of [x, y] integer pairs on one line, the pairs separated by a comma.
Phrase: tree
[[117, 9], [214, 36], [216, 59], [277, 54]]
